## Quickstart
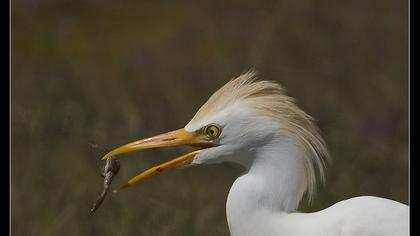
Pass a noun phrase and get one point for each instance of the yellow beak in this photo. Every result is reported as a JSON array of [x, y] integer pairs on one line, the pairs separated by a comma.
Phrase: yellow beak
[[173, 138]]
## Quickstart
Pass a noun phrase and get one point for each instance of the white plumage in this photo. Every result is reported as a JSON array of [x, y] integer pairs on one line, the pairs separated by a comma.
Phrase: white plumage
[[255, 124]]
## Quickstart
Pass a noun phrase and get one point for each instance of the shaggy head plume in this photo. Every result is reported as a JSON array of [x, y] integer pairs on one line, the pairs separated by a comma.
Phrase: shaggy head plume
[[269, 99]]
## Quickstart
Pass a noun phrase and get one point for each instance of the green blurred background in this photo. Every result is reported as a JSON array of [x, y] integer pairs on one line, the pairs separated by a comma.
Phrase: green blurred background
[[110, 72]]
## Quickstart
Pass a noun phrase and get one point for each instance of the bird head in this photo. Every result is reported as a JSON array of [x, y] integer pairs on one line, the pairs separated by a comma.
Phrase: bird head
[[238, 120]]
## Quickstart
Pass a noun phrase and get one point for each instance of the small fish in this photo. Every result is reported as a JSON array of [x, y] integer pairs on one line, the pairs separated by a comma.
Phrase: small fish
[[109, 171]]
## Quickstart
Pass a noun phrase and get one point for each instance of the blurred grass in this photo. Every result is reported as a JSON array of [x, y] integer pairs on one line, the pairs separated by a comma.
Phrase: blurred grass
[[113, 71]]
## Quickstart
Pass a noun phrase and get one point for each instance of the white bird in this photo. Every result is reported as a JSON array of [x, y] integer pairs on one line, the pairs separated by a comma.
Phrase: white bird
[[255, 124]]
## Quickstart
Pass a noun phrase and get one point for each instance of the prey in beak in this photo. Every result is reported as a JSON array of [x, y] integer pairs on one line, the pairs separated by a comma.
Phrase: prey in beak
[[173, 138]]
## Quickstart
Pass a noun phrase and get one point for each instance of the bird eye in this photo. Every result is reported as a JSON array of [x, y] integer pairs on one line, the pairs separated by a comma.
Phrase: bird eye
[[211, 131]]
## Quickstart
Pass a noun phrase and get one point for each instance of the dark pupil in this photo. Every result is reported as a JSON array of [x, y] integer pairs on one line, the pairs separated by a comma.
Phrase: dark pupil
[[212, 131]]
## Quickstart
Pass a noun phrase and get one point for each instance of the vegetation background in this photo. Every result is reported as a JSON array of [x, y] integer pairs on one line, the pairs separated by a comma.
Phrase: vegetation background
[[110, 72]]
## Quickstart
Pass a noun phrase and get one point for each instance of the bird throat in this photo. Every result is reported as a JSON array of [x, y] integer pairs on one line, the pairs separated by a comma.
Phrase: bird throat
[[273, 184]]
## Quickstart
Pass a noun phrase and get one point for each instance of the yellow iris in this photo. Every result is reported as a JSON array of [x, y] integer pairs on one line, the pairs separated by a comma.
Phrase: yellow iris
[[211, 131]]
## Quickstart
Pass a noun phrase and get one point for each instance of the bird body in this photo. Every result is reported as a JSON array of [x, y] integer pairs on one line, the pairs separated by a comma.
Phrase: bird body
[[359, 216], [261, 202], [264, 199], [253, 123]]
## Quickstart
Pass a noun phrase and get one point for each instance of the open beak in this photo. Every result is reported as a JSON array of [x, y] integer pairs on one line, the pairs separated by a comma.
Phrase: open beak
[[173, 138]]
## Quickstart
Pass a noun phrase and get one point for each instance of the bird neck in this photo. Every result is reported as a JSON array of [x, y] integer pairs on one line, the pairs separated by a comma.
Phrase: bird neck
[[273, 183]]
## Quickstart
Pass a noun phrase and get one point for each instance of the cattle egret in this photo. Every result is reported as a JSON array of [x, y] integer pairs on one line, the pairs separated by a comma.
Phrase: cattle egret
[[254, 123]]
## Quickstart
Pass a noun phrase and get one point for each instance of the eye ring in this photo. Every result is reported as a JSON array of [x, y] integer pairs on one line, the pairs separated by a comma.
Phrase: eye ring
[[212, 131]]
